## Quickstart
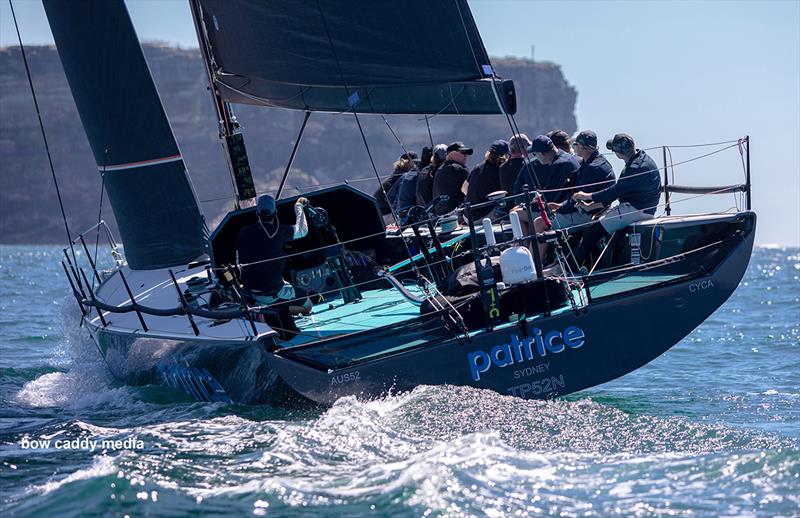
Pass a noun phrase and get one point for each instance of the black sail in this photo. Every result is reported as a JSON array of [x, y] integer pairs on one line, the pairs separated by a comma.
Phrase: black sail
[[153, 201], [384, 56]]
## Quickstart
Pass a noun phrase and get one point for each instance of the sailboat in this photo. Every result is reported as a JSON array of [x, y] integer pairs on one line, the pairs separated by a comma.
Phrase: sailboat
[[172, 311]]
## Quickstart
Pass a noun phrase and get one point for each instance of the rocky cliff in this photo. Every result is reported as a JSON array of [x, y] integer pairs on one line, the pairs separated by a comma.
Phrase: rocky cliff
[[331, 150]]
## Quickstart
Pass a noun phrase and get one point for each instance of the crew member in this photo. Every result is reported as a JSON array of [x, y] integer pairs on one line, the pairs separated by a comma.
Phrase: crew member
[[260, 254], [451, 176], [554, 175], [560, 140], [425, 157], [401, 166], [638, 190], [517, 147], [594, 174], [427, 174], [484, 178]]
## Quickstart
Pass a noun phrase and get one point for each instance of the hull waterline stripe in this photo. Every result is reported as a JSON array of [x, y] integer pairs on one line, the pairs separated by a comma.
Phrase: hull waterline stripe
[[143, 163]]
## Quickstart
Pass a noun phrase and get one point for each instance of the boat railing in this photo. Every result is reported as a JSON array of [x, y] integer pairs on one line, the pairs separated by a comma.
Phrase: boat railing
[[97, 230], [744, 150], [82, 289]]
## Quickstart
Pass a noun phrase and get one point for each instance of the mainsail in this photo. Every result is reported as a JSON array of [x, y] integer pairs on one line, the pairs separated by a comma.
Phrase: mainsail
[[380, 56], [144, 174]]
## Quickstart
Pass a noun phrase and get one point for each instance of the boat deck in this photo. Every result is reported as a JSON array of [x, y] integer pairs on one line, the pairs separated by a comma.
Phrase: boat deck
[[629, 283], [387, 306], [377, 308]]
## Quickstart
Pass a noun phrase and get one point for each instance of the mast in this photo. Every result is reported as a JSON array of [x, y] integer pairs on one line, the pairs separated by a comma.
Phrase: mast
[[230, 134]]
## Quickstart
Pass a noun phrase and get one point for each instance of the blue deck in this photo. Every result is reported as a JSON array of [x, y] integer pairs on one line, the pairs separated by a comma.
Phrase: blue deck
[[377, 308]]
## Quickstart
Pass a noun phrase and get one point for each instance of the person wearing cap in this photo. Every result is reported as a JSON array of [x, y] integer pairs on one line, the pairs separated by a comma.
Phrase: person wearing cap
[[554, 171], [484, 178], [402, 165], [560, 140], [406, 187], [594, 174], [517, 147], [450, 178], [425, 157], [426, 175], [259, 249], [638, 190]]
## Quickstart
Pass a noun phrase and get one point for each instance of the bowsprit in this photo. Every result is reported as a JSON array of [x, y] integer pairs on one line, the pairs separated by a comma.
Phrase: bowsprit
[[517, 351]]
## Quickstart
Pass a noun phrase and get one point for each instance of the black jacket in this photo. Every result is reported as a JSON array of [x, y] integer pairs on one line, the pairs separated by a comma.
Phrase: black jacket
[[558, 175], [448, 180], [425, 185], [594, 170], [484, 179]]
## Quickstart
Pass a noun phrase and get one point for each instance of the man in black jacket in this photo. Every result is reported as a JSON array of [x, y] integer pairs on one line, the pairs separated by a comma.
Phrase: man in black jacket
[[484, 178], [260, 254], [428, 173], [517, 147], [451, 177], [554, 173]]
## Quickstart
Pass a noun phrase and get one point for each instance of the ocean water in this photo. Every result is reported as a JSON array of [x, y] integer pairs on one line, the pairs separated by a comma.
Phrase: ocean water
[[711, 428]]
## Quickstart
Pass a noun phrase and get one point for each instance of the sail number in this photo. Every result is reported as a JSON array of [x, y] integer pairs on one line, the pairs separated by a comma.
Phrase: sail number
[[540, 387], [347, 377]]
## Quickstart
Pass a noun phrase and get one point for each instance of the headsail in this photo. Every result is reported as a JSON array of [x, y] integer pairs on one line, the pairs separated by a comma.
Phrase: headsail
[[155, 207], [384, 56]]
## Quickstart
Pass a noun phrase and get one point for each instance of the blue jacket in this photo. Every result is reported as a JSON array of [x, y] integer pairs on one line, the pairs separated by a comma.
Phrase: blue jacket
[[593, 170], [406, 187], [557, 175], [639, 184]]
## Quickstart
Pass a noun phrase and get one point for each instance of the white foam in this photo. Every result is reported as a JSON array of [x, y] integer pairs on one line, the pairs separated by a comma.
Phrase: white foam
[[101, 466]]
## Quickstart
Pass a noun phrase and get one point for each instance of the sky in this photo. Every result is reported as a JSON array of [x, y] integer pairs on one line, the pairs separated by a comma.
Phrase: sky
[[667, 72]]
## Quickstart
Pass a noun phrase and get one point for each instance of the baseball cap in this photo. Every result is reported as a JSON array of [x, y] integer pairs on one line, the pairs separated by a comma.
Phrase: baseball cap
[[409, 156], [587, 138], [500, 147], [459, 146], [541, 144], [560, 138], [621, 143], [266, 205]]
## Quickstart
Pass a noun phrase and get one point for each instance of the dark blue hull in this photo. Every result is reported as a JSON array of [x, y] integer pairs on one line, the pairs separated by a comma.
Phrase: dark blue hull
[[548, 356]]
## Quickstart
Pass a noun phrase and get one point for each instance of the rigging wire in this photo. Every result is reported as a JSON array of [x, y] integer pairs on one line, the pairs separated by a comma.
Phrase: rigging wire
[[391, 130], [100, 211], [353, 105], [430, 135], [44, 136]]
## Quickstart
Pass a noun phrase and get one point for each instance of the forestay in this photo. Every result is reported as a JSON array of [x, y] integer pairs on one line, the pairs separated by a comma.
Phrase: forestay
[[414, 56]]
